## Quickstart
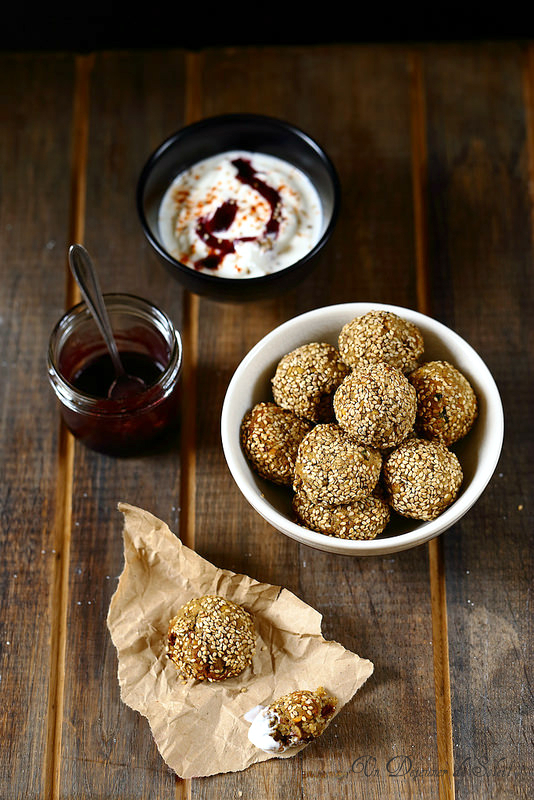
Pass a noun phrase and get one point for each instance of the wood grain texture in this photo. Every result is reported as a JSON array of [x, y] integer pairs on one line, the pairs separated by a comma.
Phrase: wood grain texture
[[34, 166], [65, 465], [481, 250]]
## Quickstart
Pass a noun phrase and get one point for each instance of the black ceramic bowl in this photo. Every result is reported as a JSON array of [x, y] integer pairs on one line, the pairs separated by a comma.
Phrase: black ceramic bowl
[[254, 133]]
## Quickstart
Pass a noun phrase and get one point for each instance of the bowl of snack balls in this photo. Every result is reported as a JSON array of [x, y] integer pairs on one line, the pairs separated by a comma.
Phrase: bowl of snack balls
[[362, 429]]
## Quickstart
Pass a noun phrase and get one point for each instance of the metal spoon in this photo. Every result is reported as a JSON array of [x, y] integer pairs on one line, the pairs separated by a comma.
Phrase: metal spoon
[[82, 268]]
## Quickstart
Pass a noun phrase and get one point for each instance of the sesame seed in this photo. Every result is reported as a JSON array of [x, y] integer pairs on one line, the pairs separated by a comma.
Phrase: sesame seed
[[372, 410]]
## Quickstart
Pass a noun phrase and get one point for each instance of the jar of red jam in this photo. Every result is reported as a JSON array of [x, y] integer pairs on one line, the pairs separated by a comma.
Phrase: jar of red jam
[[81, 373]]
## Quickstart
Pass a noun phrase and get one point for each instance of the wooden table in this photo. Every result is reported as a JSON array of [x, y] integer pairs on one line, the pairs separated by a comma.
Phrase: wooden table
[[435, 149]]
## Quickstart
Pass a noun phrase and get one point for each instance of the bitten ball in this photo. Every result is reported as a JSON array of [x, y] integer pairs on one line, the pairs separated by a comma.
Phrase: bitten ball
[[296, 718]]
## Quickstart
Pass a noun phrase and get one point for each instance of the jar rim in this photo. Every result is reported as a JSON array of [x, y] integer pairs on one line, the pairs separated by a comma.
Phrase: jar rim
[[72, 396]]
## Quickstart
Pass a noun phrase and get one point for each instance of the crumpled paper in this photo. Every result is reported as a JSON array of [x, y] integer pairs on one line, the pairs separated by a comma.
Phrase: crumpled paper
[[198, 726]]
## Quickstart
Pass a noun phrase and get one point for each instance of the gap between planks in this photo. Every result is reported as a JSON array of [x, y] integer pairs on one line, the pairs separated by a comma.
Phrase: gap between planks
[[193, 112], [63, 505], [438, 597]]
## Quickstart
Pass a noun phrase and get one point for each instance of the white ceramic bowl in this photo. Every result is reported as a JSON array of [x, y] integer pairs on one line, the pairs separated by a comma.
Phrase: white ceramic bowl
[[478, 453]]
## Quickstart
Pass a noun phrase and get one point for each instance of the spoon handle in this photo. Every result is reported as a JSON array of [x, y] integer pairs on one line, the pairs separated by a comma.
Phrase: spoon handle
[[83, 270]]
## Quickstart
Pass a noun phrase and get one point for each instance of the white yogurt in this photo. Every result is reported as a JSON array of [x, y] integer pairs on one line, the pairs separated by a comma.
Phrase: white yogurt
[[240, 215], [263, 725]]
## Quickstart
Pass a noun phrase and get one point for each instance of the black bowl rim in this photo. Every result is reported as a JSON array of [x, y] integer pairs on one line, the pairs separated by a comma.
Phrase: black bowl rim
[[215, 280]]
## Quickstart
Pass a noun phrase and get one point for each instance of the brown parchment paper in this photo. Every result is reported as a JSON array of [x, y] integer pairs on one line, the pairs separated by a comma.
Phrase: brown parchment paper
[[199, 727]]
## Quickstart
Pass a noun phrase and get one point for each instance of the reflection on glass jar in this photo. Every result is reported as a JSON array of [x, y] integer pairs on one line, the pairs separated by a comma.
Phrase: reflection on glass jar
[[81, 373]]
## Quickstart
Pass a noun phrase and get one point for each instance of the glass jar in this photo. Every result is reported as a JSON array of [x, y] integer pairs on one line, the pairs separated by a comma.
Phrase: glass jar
[[80, 372]]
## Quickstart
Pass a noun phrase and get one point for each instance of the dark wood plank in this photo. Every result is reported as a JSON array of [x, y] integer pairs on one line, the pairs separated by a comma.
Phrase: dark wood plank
[[480, 239], [107, 749], [357, 103], [35, 167]]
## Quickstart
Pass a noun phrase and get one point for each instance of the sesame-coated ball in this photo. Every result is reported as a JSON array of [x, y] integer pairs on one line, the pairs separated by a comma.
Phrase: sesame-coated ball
[[270, 437], [300, 716], [422, 478], [306, 379], [446, 402], [333, 469], [381, 336], [376, 405], [361, 519], [211, 638]]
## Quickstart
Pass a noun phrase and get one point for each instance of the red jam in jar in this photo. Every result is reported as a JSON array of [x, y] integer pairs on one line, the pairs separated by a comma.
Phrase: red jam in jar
[[96, 376], [81, 373]]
